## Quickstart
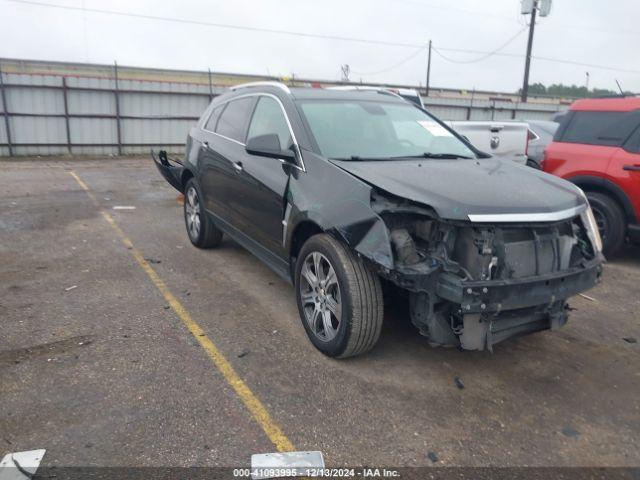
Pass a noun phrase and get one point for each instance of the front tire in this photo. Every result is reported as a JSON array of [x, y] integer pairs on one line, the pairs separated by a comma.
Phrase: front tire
[[610, 219], [339, 298], [201, 230]]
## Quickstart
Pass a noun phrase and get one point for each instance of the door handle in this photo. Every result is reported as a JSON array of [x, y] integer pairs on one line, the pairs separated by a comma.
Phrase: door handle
[[631, 168], [237, 166]]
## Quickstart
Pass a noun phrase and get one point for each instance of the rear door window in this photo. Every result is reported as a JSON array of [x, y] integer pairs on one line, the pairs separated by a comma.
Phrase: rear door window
[[233, 120], [633, 144], [213, 118], [600, 128]]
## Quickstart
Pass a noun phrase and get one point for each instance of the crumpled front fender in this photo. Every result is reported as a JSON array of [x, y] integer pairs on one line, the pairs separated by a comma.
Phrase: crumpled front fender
[[353, 221]]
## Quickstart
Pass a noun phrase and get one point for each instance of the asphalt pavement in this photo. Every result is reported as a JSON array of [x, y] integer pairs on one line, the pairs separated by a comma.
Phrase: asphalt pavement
[[104, 359]]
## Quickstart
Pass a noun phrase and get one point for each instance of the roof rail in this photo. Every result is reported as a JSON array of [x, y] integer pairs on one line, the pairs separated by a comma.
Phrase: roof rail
[[279, 85], [382, 90]]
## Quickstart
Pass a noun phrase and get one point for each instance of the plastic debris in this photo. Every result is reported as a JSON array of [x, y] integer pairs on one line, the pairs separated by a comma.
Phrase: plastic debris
[[570, 432], [591, 299], [458, 383], [263, 463], [20, 465], [70, 288]]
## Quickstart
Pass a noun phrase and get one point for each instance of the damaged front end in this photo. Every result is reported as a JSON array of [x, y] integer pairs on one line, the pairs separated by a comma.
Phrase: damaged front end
[[473, 285]]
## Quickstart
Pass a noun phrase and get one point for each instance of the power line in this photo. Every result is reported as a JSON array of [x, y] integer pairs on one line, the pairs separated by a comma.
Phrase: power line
[[486, 55], [312, 35], [580, 64], [395, 65], [217, 25]]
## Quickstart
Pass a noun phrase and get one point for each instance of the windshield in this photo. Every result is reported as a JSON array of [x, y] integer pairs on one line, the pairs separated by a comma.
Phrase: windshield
[[355, 129]]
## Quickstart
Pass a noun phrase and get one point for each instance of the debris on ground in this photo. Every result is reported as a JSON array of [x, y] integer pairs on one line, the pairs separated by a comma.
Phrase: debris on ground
[[124, 207], [570, 432], [243, 353], [70, 288], [266, 461], [26, 463], [591, 299], [432, 456], [630, 339], [153, 261], [458, 383]]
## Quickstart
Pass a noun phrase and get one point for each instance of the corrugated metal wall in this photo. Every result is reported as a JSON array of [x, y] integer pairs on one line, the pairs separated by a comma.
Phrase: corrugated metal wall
[[57, 114]]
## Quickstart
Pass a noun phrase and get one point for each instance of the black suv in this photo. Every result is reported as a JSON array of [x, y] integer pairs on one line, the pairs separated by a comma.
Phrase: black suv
[[342, 192]]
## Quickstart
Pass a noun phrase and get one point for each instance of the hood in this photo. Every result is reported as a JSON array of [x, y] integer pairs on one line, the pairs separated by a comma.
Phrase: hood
[[458, 189]]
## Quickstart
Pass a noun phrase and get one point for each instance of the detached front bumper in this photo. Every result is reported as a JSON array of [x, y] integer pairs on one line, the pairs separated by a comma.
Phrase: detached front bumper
[[501, 295], [171, 173]]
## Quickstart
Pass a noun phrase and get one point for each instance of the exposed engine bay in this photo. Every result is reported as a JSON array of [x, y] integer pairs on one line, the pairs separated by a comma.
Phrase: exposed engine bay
[[473, 285]]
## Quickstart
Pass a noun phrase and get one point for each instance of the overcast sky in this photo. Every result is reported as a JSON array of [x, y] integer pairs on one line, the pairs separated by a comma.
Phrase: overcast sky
[[597, 32]]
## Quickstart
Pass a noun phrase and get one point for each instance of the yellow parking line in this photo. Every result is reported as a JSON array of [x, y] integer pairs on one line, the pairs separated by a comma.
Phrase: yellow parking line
[[253, 404]]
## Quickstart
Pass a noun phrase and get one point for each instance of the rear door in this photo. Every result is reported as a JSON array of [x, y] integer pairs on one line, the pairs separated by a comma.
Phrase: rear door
[[264, 179], [222, 157], [587, 143], [624, 168]]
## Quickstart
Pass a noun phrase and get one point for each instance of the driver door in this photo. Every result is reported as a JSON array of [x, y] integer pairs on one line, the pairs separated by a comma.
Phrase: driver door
[[265, 179]]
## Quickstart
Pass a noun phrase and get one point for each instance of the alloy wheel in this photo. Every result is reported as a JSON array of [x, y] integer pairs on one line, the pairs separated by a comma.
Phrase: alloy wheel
[[192, 213], [602, 222], [320, 296]]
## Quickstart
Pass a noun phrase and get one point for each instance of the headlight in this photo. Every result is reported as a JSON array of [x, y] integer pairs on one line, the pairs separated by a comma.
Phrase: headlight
[[590, 224]]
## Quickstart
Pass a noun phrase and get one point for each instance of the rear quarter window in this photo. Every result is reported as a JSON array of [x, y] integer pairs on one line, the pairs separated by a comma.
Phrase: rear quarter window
[[599, 128]]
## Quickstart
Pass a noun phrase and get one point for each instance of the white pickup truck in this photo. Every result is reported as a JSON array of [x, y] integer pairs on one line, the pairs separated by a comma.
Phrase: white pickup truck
[[506, 139]]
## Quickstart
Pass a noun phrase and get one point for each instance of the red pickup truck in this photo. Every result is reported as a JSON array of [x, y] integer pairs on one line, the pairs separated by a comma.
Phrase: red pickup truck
[[597, 147]]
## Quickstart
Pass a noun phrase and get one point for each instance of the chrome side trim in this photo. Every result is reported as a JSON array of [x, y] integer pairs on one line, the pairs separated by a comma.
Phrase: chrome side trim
[[279, 85], [225, 137], [527, 217], [285, 224], [286, 117]]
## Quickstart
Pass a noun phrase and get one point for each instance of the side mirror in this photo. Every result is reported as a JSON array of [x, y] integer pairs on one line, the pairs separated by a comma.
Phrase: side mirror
[[269, 146]]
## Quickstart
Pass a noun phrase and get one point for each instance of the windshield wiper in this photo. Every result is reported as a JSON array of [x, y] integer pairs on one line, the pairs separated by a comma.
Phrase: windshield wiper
[[358, 158], [445, 156]]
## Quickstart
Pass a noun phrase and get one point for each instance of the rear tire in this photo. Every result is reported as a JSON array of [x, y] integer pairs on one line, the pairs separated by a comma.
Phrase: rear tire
[[200, 229], [610, 219], [533, 164], [355, 292]]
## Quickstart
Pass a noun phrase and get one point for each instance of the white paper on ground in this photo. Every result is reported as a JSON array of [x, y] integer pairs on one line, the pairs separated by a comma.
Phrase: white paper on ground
[[283, 461], [28, 461]]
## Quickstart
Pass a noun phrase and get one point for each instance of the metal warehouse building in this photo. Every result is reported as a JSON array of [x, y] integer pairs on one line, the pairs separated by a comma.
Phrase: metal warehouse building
[[55, 108]]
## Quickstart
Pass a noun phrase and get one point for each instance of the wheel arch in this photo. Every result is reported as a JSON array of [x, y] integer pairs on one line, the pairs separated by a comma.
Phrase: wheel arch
[[302, 232], [607, 187], [185, 177]]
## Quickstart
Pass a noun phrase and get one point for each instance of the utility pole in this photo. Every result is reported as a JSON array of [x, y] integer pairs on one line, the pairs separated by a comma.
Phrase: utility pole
[[543, 7], [428, 71], [527, 64]]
